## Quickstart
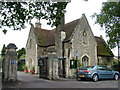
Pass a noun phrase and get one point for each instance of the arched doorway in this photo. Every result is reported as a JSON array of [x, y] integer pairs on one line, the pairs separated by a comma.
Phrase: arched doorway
[[85, 61]]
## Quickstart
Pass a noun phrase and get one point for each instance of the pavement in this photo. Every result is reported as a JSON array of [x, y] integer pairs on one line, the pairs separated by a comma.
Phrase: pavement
[[26, 80]]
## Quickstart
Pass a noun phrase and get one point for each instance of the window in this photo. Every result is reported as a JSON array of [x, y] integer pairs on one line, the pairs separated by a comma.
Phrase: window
[[68, 52], [99, 68], [85, 61], [30, 43], [84, 37]]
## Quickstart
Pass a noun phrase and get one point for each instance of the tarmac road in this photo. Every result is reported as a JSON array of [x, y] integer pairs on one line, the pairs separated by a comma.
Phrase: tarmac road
[[33, 81]]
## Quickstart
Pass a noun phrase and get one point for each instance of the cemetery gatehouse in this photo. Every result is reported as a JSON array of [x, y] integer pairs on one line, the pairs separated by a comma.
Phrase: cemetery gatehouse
[[58, 52]]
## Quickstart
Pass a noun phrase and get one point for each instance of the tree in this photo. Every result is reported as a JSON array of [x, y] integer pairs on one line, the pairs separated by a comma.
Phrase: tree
[[109, 19], [3, 50], [15, 14], [21, 52]]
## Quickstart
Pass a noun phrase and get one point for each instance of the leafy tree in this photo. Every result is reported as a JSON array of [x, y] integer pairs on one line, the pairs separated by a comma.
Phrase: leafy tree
[[109, 19], [3, 50], [15, 14], [21, 52]]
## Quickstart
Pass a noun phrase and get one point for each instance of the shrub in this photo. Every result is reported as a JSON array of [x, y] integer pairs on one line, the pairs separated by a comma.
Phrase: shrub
[[32, 70], [25, 67]]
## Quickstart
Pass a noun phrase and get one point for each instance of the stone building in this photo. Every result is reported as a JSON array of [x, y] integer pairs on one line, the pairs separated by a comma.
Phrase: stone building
[[75, 45]]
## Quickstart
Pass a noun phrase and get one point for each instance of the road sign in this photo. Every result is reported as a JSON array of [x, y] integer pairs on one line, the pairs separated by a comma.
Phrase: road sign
[[12, 62]]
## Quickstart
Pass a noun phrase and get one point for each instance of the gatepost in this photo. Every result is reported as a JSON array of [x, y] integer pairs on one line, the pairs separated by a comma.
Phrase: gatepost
[[10, 63], [53, 64]]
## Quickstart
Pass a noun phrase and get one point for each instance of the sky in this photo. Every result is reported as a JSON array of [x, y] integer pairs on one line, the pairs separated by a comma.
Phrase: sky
[[74, 11]]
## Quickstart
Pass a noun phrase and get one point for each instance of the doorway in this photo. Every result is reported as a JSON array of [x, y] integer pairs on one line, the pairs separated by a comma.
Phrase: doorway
[[85, 61]]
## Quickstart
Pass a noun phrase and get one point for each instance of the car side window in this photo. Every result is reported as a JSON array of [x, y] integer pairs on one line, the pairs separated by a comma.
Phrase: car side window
[[108, 69], [102, 68], [99, 68]]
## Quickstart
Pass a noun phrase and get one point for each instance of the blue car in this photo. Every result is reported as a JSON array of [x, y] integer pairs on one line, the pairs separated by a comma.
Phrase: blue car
[[97, 72]]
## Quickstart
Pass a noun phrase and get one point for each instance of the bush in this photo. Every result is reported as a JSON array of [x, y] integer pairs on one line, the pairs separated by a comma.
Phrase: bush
[[25, 67], [116, 67], [21, 63], [32, 70]]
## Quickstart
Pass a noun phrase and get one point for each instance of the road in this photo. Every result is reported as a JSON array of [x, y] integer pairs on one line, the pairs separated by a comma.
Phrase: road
[[33, 81]]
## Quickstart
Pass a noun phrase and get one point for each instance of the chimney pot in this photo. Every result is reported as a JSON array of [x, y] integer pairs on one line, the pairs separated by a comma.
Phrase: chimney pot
[[37, 25]]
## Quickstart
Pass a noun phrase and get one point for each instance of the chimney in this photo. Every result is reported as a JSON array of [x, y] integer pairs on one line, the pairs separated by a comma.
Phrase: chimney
[[63, 35], [101, 36], [38, 25]]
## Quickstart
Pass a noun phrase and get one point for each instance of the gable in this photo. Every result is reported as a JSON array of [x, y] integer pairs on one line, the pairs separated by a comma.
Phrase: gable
[[69, 28], [30, 36], [46, 38]]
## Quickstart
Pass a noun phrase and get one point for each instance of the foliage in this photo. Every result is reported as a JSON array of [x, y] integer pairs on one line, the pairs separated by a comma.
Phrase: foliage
[[15, 14], [109, 19], [21, 53], [21, 64], [79, 64], [25, 67], [3, 50], [115, 61], [32, 68]]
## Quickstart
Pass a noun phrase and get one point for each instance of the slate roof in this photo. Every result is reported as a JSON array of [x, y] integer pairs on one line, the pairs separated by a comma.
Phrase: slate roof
[[69, 28], [47, 38], [102, 48]]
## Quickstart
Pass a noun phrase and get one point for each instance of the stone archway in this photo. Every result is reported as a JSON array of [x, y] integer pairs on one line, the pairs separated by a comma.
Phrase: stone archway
[[85, 61]]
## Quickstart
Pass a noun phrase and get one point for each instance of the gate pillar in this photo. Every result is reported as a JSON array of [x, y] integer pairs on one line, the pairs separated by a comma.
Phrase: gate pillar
[[52, 64], [10, 63]]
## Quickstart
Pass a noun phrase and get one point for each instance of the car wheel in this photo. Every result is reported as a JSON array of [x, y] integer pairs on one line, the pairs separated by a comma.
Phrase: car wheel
[[116, 76], [95, 78]]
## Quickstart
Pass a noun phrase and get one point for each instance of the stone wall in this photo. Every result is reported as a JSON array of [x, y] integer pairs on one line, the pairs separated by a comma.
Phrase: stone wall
[[105, 61], [31, 51], [76, 47]]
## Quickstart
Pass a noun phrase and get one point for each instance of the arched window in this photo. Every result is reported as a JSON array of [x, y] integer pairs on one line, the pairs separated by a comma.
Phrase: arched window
[[84, 37], [85, 61]]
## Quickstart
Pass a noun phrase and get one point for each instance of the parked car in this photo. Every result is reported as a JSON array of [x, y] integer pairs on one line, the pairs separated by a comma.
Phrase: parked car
[[97, 72]]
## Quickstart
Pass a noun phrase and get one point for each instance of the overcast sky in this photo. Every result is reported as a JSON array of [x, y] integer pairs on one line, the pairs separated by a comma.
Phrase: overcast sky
[[74, 11]]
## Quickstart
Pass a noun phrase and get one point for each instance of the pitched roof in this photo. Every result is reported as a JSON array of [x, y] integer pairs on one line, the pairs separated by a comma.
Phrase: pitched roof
[[102, 48], [69, 28], [45, 37]]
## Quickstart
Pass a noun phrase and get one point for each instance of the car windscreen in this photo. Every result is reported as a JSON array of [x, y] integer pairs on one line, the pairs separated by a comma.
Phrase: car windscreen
[[86, 67]]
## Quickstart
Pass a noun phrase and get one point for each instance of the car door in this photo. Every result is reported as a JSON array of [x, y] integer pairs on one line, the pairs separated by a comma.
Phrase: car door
[[109, 72], [101, 72]]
